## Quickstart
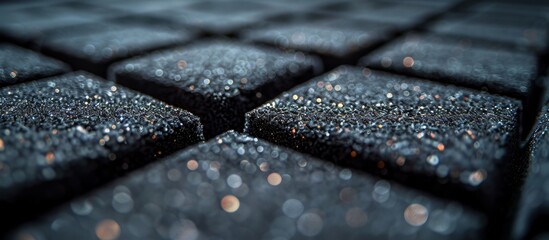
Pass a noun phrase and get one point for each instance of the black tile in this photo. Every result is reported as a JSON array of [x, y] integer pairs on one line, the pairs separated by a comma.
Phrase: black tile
[[94, 47], [20, 65], [142, 6], [404, 16], [521, 32], [25, 25], [433, 4], [301, 6], [221, 17], [219, 81], [64, 135], [533, 209], [458, 61], [238, 187], [451, 141], [337, 41], [524, 8]]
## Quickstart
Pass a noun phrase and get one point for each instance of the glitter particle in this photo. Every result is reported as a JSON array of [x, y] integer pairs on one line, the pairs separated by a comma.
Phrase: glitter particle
[[440, 147], [230, 203], [192, 165], [356, 217], [234, 181], [408, 62], [107, 229], [477, 177], [353, 154], [49, 157], [274, 179], [433, 159], [416, 214], [181, 64], [310, 224]]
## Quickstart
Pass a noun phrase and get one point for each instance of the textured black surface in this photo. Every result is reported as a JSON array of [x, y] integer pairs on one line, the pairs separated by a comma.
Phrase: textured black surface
[[20, 65], [63, 135], [144, 6], [403, 15], [338, 41], [26, 24], [533, 212], [219, 81], [525, 8], [238, 187], [94, 47], [522, 32], [458, 62], [455, 151], [220, 17], [452, 141], [436, 4]]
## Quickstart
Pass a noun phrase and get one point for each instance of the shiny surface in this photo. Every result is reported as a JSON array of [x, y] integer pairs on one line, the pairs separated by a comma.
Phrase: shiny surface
[[314, 199], [520, 32], [534, 206], [459, 62], [421, 133], [217, 80], [402, 158], [114, 41], [19, 65], [65, 135], [331, 37]]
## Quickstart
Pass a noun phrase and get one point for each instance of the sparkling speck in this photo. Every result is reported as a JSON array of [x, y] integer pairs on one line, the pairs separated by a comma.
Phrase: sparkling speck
[[192, 164], [440, 147], [81, 208], [107, 229], [356, 217], [159, 72], [408, 62], [230, 203], [181, 64], [292, 208], [234, 181], [50, 157], [310, 224], [433, 159], [477, 177], [274, 179], [416, 214]]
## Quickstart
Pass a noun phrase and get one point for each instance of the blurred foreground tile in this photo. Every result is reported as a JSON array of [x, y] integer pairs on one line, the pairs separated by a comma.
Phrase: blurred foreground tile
[[238, 187], [65, 135]]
